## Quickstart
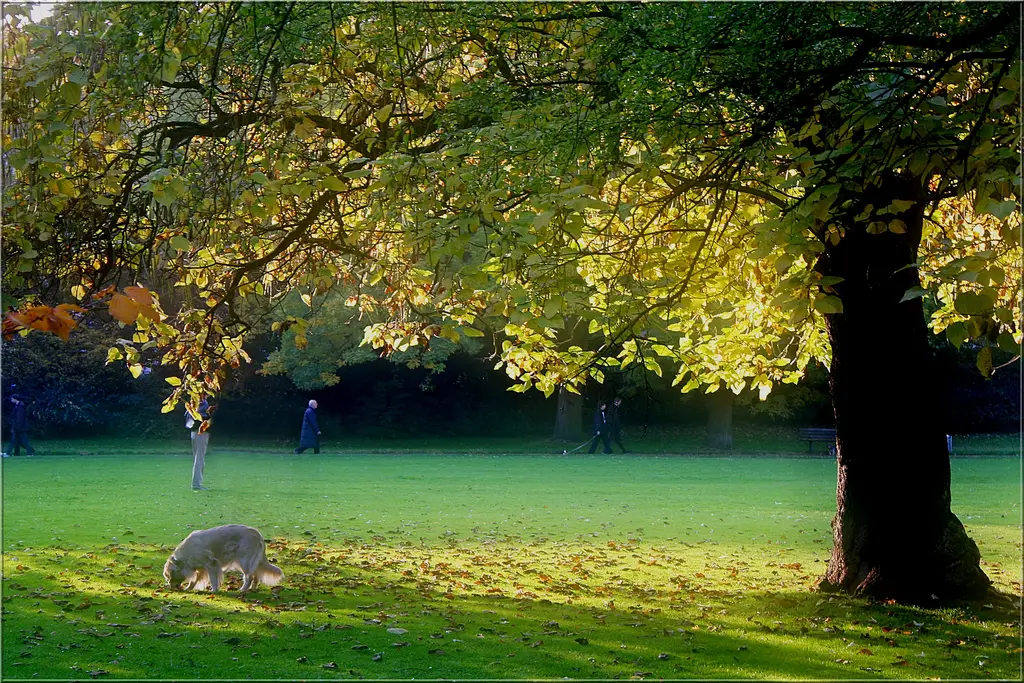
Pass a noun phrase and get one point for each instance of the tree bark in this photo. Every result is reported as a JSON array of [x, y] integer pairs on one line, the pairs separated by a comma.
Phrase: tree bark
[[719, 433], [569, 418], [894, 534]]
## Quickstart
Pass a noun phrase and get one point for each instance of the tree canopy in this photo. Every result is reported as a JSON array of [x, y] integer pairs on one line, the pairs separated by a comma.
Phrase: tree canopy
[[668, 176]]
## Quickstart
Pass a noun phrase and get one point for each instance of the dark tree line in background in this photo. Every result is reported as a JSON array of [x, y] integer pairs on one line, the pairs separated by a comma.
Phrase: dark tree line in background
[[72, 393]]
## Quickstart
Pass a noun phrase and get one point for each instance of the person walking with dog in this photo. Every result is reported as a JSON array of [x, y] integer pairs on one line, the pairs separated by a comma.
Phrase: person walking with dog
[[19, 429], [601, 428], [615, 424], [309, 437], [199, 426]]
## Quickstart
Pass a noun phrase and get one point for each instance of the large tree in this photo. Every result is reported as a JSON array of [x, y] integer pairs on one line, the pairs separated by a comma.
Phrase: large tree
[[724, 190]]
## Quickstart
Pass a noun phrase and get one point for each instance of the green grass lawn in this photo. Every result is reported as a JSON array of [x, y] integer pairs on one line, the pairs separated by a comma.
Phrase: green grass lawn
[[747, 440], [477, 566]]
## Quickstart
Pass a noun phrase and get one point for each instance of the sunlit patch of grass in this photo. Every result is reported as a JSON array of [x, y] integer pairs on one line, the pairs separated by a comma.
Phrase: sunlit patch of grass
[[482, 568]]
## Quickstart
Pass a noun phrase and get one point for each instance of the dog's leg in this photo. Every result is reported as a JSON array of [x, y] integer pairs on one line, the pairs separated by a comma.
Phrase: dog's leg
[[215, 574], [248, 583], [200, 580]]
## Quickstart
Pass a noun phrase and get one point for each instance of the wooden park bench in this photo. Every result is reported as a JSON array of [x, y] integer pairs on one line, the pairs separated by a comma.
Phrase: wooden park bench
[[812, 434]]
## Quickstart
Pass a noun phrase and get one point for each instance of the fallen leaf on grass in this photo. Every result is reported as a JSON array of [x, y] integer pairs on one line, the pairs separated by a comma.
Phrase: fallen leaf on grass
[[865, 651], [98, 672], [360, 647], [436, 651], [302, 660], [582, 641], [397, 631], [330, 665]]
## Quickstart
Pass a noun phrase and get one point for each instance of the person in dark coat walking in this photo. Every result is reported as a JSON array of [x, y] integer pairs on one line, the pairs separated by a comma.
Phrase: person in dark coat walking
[[310, 435], [19, 429], [615, 424], [601, 428]]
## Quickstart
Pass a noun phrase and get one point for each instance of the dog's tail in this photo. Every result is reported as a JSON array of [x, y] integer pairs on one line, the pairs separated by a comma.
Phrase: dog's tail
[[269, 574]]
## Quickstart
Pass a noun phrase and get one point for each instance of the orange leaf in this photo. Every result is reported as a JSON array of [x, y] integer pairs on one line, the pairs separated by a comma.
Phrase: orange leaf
[[140, 294], [149, 312], [865, 651], [71, 307], [19, 319], [123, 308]]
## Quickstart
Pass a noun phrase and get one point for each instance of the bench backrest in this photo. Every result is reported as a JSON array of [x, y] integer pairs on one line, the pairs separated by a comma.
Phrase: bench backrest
[[817, 433]]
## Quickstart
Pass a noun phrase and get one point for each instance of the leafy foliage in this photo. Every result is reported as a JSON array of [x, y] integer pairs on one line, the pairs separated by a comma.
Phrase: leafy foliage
[[514, 170]]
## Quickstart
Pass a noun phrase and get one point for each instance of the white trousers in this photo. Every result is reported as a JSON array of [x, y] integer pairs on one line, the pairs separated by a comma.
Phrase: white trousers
[[199, 442]]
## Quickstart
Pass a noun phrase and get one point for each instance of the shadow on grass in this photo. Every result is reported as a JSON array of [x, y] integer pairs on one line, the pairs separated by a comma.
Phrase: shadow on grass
[[376, 611]]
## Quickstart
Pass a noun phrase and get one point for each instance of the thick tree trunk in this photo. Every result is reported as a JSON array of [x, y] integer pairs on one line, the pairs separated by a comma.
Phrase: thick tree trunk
[[894, 534], [569, 418], [719, 433]]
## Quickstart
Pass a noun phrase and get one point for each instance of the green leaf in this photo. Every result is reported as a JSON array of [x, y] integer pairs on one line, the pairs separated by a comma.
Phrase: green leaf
[[136, 370], [985, 361], [898, 206], [383, 113], [472, 332], [913, 293], [828, 304], [971, 303], [957, 334], [1007, 343], [71, 92], [173, 381], [333, 183], [171, 64], [1003, 99], [180, 242]]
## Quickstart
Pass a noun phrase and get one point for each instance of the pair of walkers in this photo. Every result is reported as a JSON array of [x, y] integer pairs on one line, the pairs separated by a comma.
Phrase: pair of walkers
[[607, 426]]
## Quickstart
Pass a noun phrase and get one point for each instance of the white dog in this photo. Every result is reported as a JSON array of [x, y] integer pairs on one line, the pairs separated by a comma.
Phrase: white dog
[[203, 557]]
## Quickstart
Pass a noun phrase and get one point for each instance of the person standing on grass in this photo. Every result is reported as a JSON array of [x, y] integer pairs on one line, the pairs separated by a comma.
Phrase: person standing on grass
[[309, 437], [601, 428], [615, 424], [19, 429], [199, 425]]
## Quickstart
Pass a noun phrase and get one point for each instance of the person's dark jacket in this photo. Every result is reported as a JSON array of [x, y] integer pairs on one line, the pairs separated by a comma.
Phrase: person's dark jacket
[[310, 436], [19, 420], [614, 422], [600, 421]]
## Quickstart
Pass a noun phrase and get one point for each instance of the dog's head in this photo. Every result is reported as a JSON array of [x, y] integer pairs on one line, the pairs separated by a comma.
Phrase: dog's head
[[174, 572]]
